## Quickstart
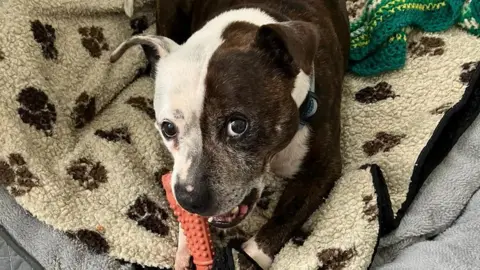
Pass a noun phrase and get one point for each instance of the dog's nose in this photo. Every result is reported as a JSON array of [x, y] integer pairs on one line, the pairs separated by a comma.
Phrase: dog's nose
[[195, 199]]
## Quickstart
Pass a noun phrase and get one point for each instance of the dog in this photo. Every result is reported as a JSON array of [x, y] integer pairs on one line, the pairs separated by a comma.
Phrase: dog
[[255, 89]]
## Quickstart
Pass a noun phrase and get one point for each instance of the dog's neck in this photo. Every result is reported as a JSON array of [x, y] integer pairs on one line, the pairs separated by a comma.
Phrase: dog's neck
[[206, 40]]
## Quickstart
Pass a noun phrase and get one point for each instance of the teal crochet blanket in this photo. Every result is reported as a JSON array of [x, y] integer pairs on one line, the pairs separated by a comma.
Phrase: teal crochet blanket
[[379, 28]]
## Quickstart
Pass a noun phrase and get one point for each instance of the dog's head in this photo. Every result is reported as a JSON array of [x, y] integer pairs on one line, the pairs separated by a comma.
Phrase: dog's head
[[225, 105]]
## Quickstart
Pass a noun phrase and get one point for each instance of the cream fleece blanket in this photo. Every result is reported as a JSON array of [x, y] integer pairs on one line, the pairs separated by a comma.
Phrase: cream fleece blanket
[[80, 152]]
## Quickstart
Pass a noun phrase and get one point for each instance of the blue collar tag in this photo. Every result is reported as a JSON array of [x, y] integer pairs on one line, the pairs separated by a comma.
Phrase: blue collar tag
[[309, 106]]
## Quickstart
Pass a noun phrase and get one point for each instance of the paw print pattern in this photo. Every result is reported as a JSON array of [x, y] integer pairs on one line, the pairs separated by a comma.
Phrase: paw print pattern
[[95, 242], [355, 8], [138, 25], [36, 110], [370, 209], [334, 258], [16, 176], [380, 91], [467, 71], [143, 104], [84, 110], [427, 46], [93, 40], [115, 134], [149, 215], [44, 34], [383, 142], [88, 173]]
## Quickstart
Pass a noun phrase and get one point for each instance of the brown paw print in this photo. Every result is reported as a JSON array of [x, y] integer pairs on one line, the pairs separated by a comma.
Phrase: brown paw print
[[143, 104], [93, 40], [334, 258], [138, 25], [84, 110], [380, 91], [88, 173], [300, 236], [427, 46], [149, 215], [383, 142], [442, 109], [16, 176], [44, 34], [467, 71], [264, 201], [370, 209], [115, 134], [93, 240], [355, 8], [36, 110]]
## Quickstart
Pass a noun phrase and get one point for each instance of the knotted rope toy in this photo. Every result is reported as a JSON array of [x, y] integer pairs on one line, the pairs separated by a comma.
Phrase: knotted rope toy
[[196, 229]]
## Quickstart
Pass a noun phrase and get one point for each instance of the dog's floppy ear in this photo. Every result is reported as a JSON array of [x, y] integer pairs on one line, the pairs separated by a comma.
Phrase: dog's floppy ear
[[154, 47], [292, 42]]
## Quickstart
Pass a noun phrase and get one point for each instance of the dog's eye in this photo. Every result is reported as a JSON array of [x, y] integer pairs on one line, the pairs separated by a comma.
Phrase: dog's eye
[[237, 127], [169, 130]]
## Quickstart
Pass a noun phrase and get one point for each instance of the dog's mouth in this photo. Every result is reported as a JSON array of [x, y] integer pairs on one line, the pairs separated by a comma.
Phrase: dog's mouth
[[237, 214]]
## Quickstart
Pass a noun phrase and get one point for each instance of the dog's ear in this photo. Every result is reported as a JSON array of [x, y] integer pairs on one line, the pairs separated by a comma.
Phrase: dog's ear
[[292, 42], [154, 47]]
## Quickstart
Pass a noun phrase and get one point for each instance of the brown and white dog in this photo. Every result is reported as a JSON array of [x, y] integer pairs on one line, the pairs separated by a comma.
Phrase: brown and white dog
[[255, 89]]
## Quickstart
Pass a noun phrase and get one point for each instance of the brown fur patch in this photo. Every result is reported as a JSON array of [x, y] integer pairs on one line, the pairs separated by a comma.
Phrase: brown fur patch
[[383, 142], [37, 110], [442, 109], [115, 134], [16, 176], [238, 35], [143, 104], [88, 173], [380, 91], [93, 240], [467, 71], [93, 40], [44, 34], [149, 215], [334, 258], [427, 46], [84, 110]]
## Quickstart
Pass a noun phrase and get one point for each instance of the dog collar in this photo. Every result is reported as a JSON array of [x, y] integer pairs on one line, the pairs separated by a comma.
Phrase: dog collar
[[309, 106]]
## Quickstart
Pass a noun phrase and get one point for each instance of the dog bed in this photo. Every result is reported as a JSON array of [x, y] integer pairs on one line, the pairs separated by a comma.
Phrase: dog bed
[[80, 152]]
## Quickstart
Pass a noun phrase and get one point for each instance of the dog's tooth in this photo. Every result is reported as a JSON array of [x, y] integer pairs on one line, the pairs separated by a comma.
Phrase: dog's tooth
[[235, 210], [210, 219]]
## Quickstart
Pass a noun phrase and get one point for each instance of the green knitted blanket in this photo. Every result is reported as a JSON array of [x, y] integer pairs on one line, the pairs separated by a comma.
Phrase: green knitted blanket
[[379, 28]]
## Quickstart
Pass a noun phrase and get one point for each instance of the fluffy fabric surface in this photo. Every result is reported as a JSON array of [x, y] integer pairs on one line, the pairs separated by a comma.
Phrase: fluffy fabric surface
[[80, 151], [379, 28]]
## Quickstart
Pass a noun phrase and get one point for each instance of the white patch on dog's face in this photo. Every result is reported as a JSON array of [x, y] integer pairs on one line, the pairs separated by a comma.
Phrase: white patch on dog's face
[[180, 86]]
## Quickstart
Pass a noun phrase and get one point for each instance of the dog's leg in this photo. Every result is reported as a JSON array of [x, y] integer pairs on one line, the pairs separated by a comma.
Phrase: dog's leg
[[302, 196], [182, 257]]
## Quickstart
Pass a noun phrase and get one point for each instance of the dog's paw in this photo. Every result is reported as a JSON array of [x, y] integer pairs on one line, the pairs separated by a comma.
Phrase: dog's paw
[[128, 7], [253, 250]]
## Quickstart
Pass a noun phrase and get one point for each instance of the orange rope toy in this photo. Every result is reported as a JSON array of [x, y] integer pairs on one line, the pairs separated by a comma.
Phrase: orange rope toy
[[196, 230]]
